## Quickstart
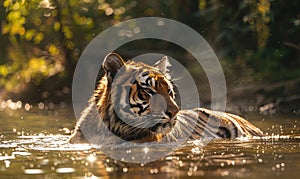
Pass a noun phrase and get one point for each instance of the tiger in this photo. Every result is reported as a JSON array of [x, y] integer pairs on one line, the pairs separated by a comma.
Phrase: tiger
[[136, 102]]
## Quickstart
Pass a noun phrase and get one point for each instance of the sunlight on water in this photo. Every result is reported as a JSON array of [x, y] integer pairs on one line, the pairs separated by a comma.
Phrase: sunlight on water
[[33, 171], [65, 170], [33, 151], [219, 158]]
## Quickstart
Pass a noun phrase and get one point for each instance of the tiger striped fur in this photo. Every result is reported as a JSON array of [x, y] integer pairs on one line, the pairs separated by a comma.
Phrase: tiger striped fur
[[136, 102]]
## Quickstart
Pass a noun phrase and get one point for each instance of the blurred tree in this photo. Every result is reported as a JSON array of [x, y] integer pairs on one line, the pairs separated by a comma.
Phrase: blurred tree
[[42, 39]]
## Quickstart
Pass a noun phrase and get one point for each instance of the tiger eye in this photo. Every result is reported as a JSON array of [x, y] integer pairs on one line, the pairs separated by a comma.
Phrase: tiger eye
[[145, 73]]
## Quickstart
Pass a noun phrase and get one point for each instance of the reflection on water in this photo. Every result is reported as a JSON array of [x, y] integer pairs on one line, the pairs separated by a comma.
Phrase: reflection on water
[[39, 148]]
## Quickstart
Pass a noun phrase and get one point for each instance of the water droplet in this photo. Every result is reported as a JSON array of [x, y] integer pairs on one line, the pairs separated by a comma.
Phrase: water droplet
[[6, 163], [51, 105], [273, 168], [41, 106], [109, 169], [91, 158], [33, 171], [189, 173], [146, 150], [160, 23], [153, 171], [66, 90], [27, 107], [125, 169], [65, 170], [225, 173], [136, 30], [129, 33], [196, 150]]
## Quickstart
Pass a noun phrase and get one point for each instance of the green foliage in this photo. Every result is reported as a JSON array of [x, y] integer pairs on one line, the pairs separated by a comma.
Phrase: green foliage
[[274, 64], [42, 39], [255, 32]]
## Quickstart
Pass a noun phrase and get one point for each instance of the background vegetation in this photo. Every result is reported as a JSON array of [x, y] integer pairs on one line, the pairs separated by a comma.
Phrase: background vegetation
[[257, 41]]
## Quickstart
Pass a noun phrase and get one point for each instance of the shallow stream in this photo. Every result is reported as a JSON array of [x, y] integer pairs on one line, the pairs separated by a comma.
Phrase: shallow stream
[[33, 144]]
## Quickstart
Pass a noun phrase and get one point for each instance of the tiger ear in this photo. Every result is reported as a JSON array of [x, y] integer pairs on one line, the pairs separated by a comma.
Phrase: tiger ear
[[163, 65], [112, 63]]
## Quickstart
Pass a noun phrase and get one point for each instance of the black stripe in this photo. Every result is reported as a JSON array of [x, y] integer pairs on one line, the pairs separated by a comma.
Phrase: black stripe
[[223, 132], [144, 109]]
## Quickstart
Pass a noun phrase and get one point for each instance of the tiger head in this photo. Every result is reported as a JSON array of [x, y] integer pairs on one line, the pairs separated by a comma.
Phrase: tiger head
[[139, 99]]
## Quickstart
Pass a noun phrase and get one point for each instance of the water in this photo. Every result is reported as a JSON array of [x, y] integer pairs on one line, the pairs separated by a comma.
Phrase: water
[[34, 145]]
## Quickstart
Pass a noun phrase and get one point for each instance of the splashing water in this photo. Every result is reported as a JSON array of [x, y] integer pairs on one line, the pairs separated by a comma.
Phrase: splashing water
[[39, 147]]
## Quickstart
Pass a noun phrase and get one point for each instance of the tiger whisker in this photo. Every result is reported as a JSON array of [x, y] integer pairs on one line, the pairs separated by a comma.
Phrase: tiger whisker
[[177, 79]]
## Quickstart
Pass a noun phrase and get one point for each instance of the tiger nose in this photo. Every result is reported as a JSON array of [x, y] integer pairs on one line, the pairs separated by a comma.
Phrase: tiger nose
[[172, 110], [159, 104], [171, 114]]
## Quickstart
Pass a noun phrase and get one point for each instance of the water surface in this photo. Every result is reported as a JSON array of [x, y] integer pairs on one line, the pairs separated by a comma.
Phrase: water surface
[[33, 144]]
